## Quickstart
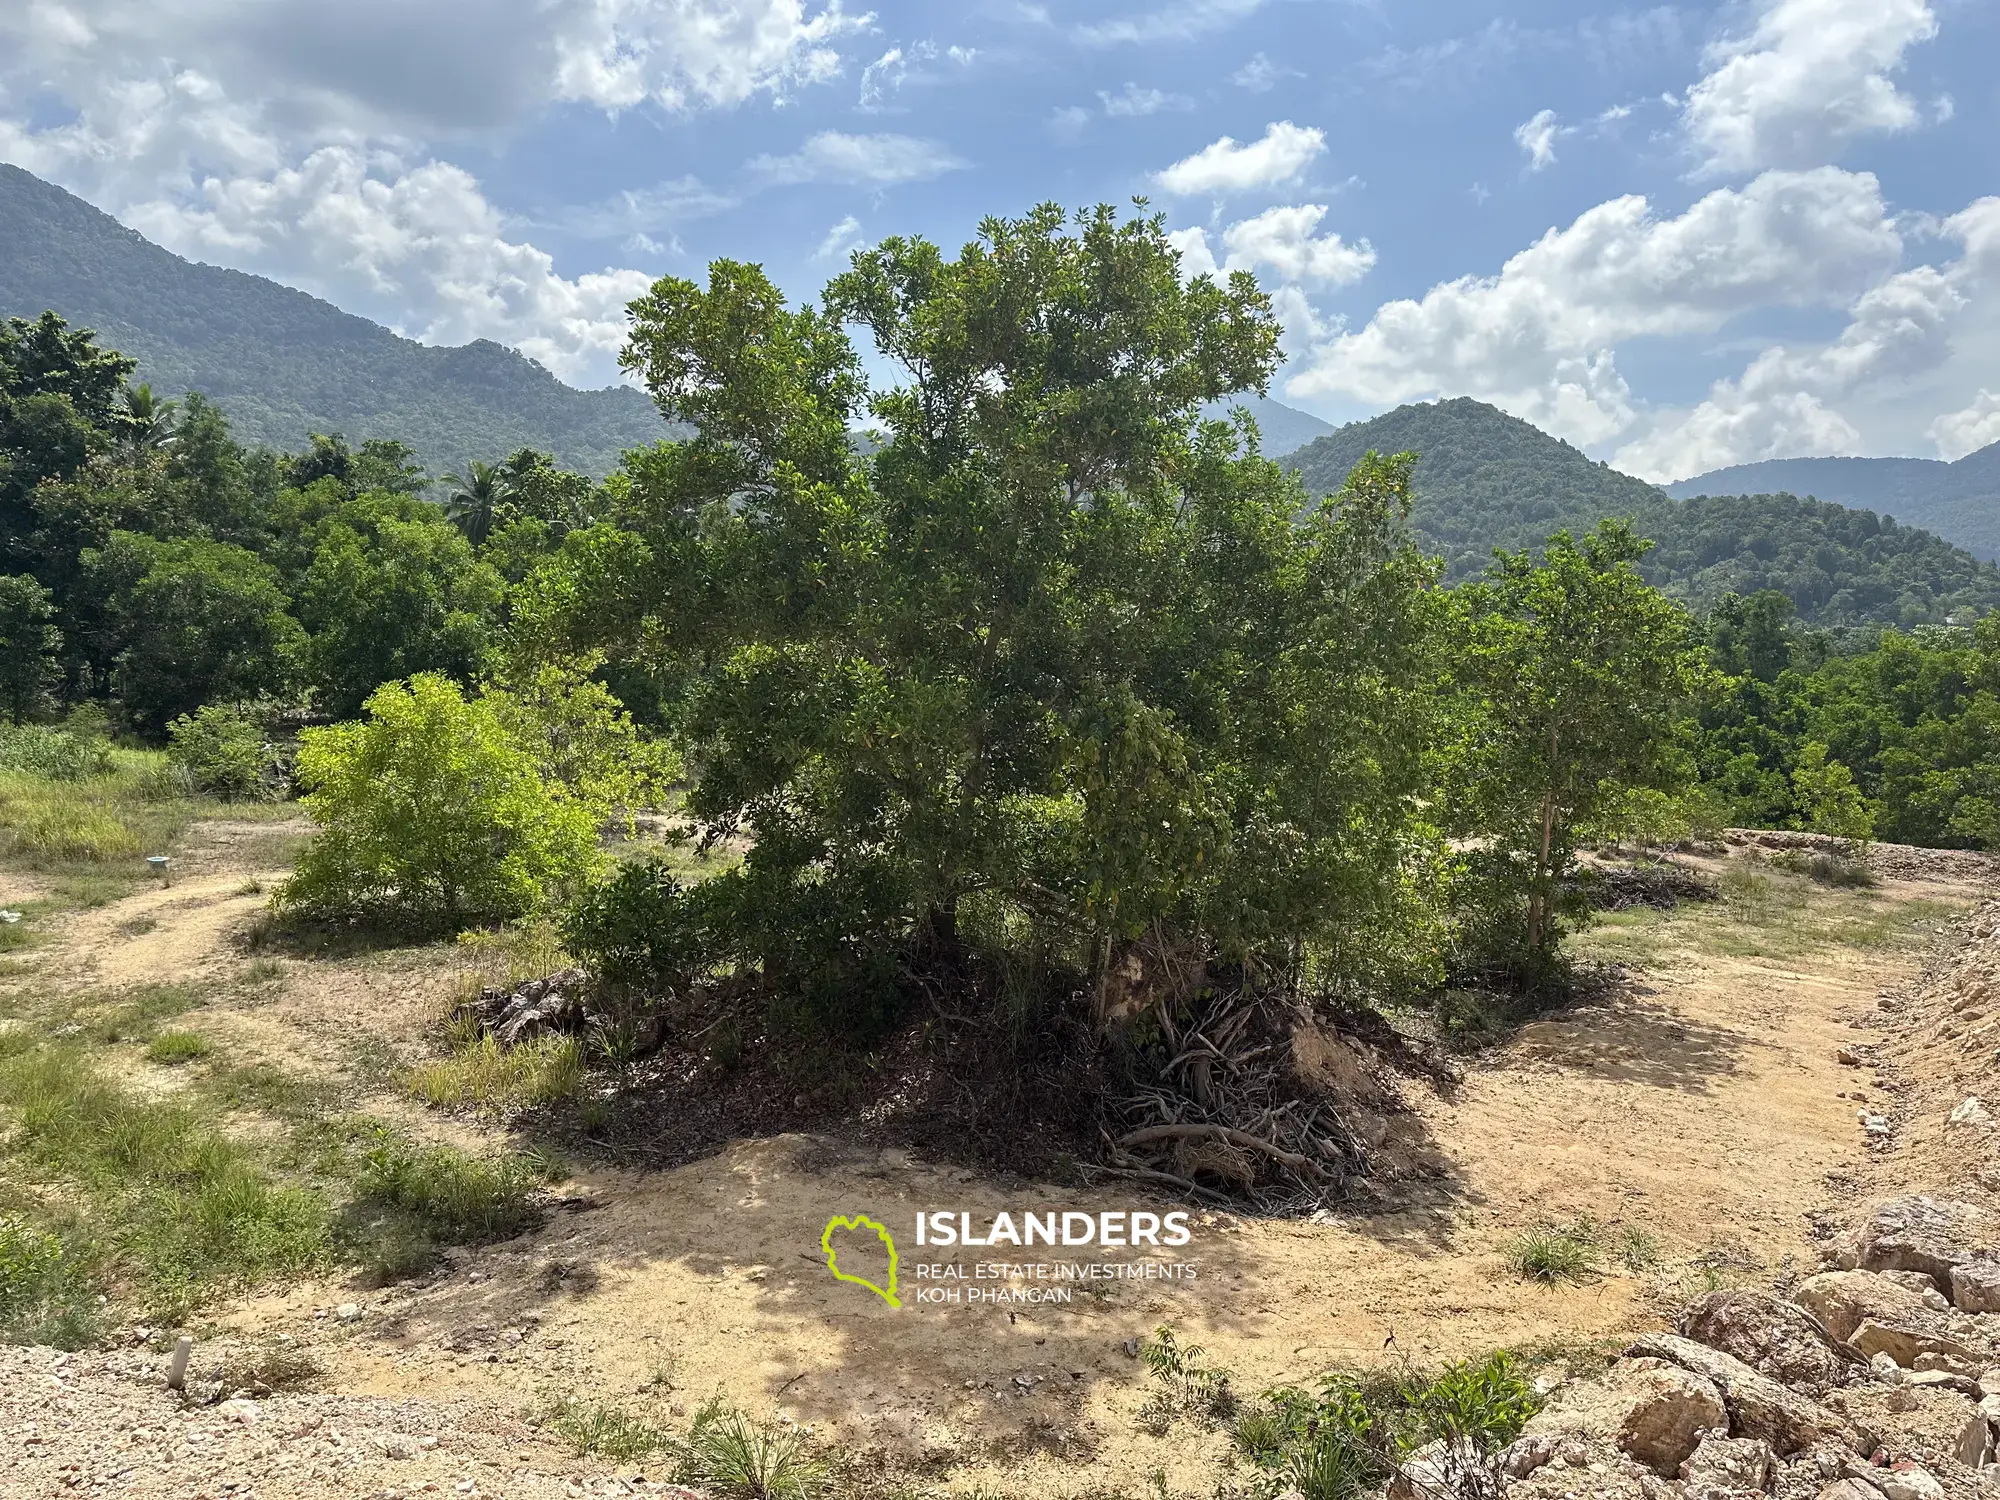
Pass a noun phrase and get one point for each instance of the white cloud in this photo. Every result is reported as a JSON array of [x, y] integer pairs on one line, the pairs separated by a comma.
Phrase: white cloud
[[1537, 137], [1181, 22], [1961, 432], [899, 67], [860, 160], [1282, 240], [1284, 151], [1540, 337], [1810, 76], [1260, 74], [1066, 122], [1135, 102], [287, 137], [421, 249], [840, 240], [1196, 258]]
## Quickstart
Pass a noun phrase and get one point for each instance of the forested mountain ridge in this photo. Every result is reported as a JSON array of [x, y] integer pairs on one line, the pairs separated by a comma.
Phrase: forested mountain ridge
[[1486, 480], [285, 364], [1959, 501]]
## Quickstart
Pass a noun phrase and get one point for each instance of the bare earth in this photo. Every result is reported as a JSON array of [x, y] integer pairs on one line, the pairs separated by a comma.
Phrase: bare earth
[[1699, 1103]]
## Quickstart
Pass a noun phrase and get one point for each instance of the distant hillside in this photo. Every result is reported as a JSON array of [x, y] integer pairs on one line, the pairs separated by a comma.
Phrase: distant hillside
[[284, 364], [1487, 480], [1484, 479], [1959, 501], [1281, 429]]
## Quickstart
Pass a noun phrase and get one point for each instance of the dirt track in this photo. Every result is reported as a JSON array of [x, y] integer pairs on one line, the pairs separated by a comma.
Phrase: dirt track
[[1699, 1105]]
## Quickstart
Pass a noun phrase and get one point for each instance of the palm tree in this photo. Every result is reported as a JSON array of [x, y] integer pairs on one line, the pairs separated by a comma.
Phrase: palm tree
[[149, 421], [470, 501]]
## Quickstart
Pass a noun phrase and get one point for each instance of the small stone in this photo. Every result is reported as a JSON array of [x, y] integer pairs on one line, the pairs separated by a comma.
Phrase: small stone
[[348, 1312], [1909, 1483], [1971, 1113], [241, 1411], [397, 1448]]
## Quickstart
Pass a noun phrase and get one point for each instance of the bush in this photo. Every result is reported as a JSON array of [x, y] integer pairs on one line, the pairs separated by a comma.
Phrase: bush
[[1551, 1253], [726, 1451], [483, 1074], [455, 1198], [641, 927], [224, 750], [46, 1296], [57, 754], [430, 811], [172, 1047]]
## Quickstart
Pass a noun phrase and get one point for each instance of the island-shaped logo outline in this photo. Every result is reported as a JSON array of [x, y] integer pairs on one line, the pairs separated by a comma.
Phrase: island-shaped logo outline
[[860, 1222]]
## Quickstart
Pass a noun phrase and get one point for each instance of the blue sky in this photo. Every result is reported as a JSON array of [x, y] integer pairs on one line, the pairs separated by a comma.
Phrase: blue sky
[[1679, 235]]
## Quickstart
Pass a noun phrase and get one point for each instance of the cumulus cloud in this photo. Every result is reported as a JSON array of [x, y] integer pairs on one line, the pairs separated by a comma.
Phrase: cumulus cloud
[[1961, 432], [1808, 77], [1785, 403], [1540, 337], [1537, 137], [860, 160], [1283, 240], [296, 145], [1284, 151], [420, 249]]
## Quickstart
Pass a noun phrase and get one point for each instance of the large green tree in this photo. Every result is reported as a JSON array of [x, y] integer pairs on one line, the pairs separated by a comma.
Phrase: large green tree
[[1059, 645], [1578, 679], [29, 641]]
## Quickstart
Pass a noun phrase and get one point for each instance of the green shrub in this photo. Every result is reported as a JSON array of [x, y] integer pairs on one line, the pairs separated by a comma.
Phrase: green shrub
[[1551, 1253], [726, 1451], [597, 1429], [640, 927], [480, 1072], [456, 1198], [224, 750], [46, 1294], [57, 754], [431, 811], [172, 1047], [1824, 868]]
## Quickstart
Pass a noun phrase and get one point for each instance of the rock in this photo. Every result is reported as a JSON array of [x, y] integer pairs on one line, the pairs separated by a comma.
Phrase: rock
[[1526, 1454], [1970, 1113], [1843, 1300], [1975, 1286], [1885, 1369], [1917, 1233], [1942, 1380], [1922, 1285], [241, 1411], [1652, 1409], [1723, 1463], [1850, 1489], [1769, 1334], [348, 1312], [1975, 1444], [1758, 1406], [1908, 1482], [1904, 1344]]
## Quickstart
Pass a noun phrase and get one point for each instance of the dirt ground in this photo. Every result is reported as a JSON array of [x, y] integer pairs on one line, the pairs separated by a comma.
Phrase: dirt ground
[[1696, 1110]]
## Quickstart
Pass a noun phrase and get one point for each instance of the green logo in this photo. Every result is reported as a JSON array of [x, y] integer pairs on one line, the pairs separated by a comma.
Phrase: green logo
[[857, 1223]]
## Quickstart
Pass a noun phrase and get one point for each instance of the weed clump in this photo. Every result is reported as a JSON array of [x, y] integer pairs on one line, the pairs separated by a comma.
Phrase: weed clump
[[456, 1198], [1552, 1253], [46, 1292], [175, 1047], [483, 1074]]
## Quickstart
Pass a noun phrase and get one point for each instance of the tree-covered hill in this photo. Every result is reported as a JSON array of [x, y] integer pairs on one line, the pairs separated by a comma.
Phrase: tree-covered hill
[[284, 364], [1959, 501], [1486, 480]]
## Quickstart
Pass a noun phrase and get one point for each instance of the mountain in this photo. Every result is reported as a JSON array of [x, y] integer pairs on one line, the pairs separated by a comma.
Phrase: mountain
[[284, 364], [1281, 429], [1486, 480], [1959, 501]]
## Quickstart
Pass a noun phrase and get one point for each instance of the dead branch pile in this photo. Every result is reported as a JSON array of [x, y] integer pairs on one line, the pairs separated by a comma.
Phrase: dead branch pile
[[1232, 1117]]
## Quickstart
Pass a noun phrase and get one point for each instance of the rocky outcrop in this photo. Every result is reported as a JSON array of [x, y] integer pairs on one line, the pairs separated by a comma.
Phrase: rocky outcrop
[[1758, 1406], [1722, 1466], [1878, 1314], [1651, 1410], [1919, 1233], [1778, 1338]]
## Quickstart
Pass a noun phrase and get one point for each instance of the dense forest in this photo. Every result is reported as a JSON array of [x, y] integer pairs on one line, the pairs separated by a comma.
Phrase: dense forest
[[287, 365], [1488, 480], [1959, 501]]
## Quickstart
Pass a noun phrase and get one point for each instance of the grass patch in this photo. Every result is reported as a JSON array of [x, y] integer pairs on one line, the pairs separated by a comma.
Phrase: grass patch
[[175, 1047], [482, 1074], [1553, 1253], [461, 1199], [115, 815], [187, 1213], [727, 1452], [1344, 1440], [47, 1292], [134, 1015], [599, 1429]]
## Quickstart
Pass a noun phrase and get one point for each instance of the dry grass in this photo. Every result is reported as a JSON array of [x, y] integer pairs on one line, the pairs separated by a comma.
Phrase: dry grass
[[481, 1074]]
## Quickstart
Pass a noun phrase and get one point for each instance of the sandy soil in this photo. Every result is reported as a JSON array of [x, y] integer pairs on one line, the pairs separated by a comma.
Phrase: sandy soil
[[1700, 1104]]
